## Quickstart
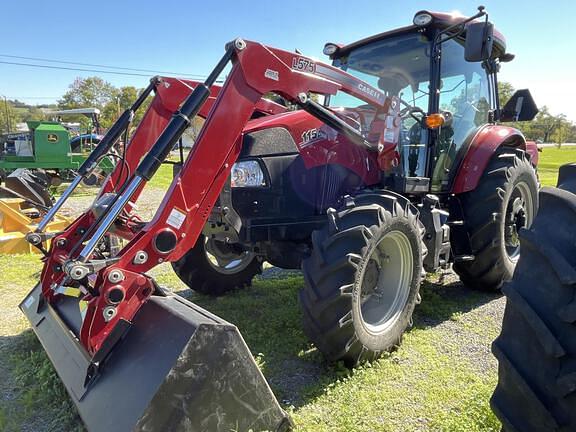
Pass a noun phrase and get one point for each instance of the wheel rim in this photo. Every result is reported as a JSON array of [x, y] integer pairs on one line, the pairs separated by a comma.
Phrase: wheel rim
[[224, 259], [519, 214], [386, 280]]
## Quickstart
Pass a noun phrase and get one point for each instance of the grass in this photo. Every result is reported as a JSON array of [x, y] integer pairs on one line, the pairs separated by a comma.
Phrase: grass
[[550, 160], [428, 384], [440, 379], [161, 180]]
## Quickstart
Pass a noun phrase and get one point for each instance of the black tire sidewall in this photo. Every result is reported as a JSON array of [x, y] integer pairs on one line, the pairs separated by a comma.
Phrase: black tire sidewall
[[484, 214], [197, 272]]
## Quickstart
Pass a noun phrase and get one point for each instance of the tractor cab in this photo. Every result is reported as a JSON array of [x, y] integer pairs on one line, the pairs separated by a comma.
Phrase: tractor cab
[[442, 71]]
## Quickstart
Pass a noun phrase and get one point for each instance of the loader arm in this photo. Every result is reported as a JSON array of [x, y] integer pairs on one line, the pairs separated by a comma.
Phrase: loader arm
[[169, 93], [115, 337], [113, 291]]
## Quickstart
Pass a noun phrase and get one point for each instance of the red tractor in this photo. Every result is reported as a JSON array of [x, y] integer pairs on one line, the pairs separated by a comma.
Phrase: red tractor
[[394, 164]]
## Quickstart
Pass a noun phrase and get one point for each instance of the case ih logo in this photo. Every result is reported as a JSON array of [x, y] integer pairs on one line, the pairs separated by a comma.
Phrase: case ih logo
[[369, 91]]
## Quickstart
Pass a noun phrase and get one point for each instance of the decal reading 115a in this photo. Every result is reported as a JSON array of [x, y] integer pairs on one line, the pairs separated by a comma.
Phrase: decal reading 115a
[[310, 136]]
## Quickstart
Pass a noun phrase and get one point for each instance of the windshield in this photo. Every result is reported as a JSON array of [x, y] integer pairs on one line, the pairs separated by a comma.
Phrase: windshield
[[399, 66]]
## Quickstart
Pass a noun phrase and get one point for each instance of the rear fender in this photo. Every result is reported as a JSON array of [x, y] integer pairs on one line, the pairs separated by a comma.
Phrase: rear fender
[[481, 150]]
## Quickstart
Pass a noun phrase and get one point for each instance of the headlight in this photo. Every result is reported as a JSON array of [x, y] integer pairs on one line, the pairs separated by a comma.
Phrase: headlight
[[247, 174], [422, 19]]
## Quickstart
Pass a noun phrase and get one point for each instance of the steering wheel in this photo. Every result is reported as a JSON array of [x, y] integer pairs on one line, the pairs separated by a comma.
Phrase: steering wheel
[[468, 105], [411, 110]]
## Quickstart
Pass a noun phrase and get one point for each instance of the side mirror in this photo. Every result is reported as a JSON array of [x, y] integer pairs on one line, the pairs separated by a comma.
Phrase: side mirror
[[478, 46], [520, 107]]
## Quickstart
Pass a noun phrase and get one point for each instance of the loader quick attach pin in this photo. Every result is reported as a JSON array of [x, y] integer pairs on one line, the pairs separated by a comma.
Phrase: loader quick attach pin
[[109, 312], [76, 271], [115, 276], [140, 258], [34, 238]]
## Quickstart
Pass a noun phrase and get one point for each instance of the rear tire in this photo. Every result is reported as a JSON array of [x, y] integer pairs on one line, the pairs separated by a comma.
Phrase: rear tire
[[218, 269], [505, 200], [536, 349], [362, 279]]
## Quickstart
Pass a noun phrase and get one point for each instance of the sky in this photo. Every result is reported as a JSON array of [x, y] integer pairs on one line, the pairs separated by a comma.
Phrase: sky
[[188, 37]]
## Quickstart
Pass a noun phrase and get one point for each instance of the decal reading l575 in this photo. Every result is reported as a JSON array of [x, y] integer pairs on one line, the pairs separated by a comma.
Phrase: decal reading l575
[[303, 64]]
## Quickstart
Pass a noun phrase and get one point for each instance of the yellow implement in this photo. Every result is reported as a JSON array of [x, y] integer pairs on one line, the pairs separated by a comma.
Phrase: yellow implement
[[16, 221]]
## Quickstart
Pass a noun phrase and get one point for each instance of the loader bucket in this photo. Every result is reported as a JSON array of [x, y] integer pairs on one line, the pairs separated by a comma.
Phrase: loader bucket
[[178, 367], [23, 183]]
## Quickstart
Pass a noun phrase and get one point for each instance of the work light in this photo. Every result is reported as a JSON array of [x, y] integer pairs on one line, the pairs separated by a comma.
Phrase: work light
[[330, 49], [422, 19]]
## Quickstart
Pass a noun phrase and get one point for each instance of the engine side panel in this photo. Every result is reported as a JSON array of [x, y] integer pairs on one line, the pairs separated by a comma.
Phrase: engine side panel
[[319, 145]]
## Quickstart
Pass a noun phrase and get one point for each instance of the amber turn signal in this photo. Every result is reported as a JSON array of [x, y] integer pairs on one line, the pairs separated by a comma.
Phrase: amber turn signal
[[434, 121]]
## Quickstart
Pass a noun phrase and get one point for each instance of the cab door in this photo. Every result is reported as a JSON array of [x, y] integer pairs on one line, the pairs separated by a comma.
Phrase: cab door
[[464, 98]]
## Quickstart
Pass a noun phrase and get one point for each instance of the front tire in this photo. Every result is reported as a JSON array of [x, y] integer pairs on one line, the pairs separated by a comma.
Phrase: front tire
[[363, 277], [214, 268], [505, 200], [536, 349]]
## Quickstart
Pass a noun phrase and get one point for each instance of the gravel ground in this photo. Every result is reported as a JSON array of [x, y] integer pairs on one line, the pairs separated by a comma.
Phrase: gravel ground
[[147, 203]]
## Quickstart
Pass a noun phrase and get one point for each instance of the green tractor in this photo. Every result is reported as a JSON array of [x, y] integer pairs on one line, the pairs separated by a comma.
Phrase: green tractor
[[54, 148]]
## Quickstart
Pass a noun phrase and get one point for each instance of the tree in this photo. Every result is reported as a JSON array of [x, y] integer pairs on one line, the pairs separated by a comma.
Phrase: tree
[[8, 116], [121, 100], [33, 113], [505, 92], [92, 92], [545, 126]]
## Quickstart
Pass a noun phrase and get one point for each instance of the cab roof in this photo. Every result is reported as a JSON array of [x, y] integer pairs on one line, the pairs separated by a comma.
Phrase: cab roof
[[440, 20]]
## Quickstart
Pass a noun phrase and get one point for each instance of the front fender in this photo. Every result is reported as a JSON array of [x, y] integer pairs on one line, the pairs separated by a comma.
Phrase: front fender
[[484, 144]]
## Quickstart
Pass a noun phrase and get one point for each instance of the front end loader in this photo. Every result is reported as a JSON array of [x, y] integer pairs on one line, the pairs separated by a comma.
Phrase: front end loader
[[364, 197], [131, 355]]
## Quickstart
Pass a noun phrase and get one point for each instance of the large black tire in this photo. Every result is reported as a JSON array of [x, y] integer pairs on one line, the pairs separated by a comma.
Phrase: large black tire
[[199, 272], [346, 267], [536, 349], [505, 200]]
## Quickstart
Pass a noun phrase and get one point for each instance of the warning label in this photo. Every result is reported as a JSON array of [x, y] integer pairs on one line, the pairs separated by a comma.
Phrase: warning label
[[176, 218]]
